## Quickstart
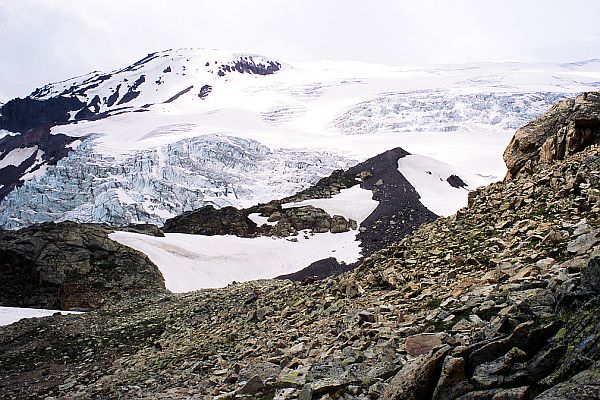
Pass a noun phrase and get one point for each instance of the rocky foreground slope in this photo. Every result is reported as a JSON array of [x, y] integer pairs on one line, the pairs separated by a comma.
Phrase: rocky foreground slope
[[500, 301]]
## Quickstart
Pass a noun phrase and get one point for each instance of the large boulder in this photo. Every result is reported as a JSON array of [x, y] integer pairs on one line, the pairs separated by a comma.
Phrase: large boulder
[[567, 128], [68, 265]]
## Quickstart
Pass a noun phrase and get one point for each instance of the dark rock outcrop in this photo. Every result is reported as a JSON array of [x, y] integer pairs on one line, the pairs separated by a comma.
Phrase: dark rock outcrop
[[249, 66], [133, 91], [22, 115], [211, 221], [68, 265], [179, 94], [319, 270], [567, 128], [205, 91], [399, 211], [51, 147]]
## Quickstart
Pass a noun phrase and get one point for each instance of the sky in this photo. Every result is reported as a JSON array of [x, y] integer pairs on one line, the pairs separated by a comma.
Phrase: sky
[[43, 41]]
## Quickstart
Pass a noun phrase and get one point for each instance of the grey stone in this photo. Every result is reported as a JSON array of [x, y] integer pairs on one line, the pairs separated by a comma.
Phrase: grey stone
[[418, 378], [583, 243], [253, 385], [590, 276]]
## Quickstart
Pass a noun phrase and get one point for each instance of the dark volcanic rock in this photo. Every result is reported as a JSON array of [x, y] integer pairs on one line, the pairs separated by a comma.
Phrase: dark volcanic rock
[[68, 265], [319, 270], [456, 182], [22, 115], [249, 66], [112, 99], [145, 229], [205, 91], [132, 93], [399, 211], [179, 94]]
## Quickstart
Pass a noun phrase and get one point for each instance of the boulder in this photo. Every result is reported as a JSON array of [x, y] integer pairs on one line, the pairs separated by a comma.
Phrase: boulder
[[418, 378], [211, 221], [590, 276], [423, 343], [68, 265], [567, 128]]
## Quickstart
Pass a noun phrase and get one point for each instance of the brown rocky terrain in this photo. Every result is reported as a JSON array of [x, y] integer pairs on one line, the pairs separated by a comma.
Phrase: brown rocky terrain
[[500, 301]]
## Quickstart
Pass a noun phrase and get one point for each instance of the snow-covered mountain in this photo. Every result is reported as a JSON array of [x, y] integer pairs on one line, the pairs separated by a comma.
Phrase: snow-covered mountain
[[185, 128]]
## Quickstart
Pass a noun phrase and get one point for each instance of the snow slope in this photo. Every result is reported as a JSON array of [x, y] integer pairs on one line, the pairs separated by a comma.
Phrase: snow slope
[[192, 262], [17, 156], [432, 180], [185, 128]]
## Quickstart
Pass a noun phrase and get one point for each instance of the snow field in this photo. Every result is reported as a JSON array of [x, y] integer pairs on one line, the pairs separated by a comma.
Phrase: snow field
[[192, 262], [429, 178]]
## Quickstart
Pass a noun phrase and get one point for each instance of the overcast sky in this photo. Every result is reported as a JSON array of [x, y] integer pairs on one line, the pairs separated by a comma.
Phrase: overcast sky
[[49, 40]]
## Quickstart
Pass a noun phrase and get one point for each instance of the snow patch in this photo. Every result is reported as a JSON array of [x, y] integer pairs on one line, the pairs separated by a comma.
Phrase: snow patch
[[260, 220], [430, 178], [9, 315], [17, 156], [192, 262], [355, 203], [74, 144], [4, 132]]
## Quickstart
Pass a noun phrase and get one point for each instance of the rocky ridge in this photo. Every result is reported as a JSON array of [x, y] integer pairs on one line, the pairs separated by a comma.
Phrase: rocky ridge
[[399, 211], [499, 301]]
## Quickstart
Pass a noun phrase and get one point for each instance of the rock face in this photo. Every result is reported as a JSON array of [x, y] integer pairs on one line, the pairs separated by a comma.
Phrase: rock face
[[22, 115], [499, 301], [567, 128], [68, 265]]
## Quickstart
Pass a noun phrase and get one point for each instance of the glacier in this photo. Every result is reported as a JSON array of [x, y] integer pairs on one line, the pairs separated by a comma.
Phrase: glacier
[[154, 185], [185, 128]]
